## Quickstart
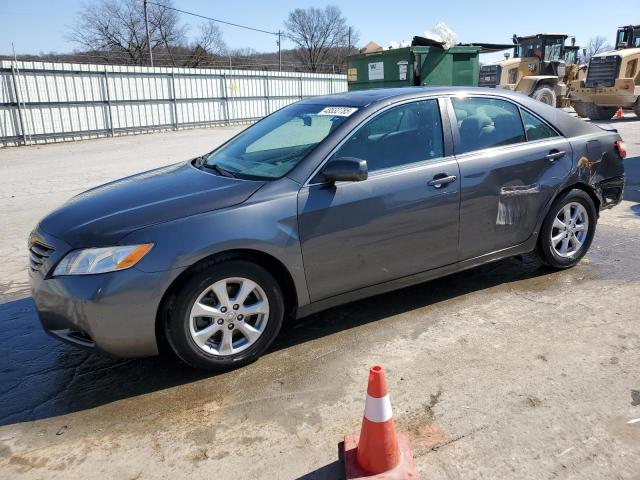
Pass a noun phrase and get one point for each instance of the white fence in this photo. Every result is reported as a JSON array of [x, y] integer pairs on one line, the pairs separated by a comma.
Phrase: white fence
[[44, 102]]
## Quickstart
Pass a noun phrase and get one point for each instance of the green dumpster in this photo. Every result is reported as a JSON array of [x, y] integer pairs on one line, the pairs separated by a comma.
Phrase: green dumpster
[[416, 65]]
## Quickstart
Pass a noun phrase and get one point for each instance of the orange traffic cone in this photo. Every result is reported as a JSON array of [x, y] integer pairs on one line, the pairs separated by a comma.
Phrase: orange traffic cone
[[380, 452], [619, 113]]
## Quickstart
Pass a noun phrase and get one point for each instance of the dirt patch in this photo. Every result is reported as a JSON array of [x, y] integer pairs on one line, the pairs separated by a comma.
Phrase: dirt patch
[[25, 463]]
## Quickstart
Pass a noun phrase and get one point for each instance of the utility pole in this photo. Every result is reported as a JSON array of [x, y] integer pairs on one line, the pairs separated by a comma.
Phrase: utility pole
[[146, 24], [279, 50], [349, 43]]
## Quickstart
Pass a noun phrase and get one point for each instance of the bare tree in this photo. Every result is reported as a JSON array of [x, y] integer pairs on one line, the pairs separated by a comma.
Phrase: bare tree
[[165, 29], [321, 35], [116, 28], [209, 43], [595, 45], [113, 26], [211, 39]]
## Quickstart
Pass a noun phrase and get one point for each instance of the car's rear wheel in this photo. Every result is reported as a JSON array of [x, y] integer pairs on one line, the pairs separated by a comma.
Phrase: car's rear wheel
[[225, 316], [567, 230]]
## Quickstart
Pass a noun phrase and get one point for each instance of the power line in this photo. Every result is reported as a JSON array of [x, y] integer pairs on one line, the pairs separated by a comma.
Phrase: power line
[[277, 34], [215, 19]]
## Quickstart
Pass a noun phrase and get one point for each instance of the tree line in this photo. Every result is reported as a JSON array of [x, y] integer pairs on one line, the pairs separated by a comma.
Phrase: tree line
[[114, 32]]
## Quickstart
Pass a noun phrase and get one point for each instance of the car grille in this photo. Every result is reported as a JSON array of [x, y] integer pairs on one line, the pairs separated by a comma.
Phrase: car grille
[[38, 254], [602, 71], [490, 75]]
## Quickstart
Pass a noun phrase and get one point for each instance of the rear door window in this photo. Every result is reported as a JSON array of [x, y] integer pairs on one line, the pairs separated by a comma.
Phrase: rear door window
[[487, 122]]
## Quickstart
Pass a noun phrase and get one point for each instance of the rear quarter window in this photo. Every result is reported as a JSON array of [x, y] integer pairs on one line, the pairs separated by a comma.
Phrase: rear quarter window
[[535, 128]]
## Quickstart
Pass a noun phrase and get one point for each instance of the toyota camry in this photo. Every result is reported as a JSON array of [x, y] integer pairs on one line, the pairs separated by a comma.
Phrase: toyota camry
[[326, 201]]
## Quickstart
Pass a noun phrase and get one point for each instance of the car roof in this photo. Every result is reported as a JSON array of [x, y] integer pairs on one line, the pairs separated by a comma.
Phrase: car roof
[[363, 98]]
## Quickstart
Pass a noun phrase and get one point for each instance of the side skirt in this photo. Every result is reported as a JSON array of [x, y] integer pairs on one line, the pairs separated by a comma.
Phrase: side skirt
[[414, 279]]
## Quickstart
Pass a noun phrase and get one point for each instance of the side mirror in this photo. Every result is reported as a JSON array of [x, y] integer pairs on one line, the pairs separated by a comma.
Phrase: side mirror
[[345, 169]]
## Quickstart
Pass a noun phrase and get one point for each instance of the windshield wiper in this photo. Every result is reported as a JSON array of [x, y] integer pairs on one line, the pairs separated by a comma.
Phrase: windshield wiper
[[218, 169]]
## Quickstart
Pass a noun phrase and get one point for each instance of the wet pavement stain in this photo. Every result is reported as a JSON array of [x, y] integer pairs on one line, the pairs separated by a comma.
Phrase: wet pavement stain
[[43, 378]]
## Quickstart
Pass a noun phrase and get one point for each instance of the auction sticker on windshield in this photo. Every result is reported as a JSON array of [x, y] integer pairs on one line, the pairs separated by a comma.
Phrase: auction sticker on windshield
[[337, 111]]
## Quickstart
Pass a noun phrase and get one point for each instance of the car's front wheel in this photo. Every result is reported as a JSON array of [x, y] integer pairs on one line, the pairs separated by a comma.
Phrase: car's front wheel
[[225, 316], [567, 230]]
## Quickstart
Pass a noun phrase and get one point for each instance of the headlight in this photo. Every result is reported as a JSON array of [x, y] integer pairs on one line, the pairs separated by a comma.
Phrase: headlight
[[101, 260]]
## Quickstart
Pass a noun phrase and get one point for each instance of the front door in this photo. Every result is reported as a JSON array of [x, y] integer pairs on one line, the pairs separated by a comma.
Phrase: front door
[[402, 220]]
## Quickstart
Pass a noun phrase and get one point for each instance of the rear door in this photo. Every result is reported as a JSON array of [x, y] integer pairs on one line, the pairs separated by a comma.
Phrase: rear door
[[511, 164], [402, 220]]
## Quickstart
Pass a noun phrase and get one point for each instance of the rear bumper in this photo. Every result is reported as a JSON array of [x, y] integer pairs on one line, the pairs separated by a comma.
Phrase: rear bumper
[[113, 313], [610, 192]]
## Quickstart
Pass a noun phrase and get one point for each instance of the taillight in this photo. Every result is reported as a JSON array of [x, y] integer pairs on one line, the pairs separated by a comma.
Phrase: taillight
[[621, 148]]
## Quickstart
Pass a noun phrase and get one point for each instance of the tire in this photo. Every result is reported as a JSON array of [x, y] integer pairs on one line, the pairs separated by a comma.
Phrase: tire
[[581, 206], [545, 95], [594, 112], [636, 107], [223, 341], [580, 109]]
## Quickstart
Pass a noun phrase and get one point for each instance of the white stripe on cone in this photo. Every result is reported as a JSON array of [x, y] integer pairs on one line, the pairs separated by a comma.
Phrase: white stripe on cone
[[378, 409]]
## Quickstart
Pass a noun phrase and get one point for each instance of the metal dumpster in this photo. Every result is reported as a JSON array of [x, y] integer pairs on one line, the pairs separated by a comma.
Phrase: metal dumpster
[[416, 65]]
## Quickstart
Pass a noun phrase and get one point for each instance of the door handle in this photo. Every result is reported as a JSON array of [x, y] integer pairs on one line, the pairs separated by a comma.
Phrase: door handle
[[552, 156], [441, 180]]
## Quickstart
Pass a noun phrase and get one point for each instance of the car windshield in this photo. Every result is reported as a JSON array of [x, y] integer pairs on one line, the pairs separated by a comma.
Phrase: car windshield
[[272, 147]]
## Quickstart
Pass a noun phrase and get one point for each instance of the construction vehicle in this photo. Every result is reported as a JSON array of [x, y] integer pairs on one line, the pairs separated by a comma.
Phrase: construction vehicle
[[628, 37], [612, 81], [537, 69]]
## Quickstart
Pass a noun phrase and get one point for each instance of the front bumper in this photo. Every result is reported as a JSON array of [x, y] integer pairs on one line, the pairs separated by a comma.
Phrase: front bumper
[[622, 94], [114, 313]]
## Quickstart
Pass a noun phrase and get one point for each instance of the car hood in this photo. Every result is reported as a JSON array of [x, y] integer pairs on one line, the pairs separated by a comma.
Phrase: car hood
[[103, 215]]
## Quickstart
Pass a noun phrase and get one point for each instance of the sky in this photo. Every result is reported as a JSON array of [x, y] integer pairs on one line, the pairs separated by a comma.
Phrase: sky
[[36, 26]]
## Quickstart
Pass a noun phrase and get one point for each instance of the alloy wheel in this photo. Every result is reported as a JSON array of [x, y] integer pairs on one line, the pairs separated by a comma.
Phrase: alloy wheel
[[229, 316], [570, 229]]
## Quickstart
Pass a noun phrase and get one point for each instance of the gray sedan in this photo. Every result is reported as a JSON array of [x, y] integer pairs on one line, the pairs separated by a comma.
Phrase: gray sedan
[[324, 202]]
